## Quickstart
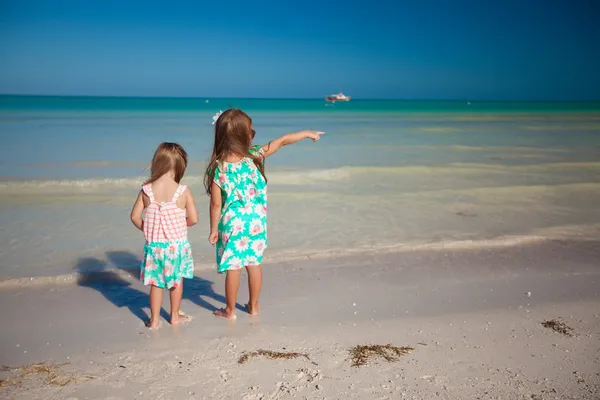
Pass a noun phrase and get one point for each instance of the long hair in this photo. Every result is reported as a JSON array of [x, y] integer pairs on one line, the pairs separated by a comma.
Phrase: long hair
[[167, 157], [232, 137]]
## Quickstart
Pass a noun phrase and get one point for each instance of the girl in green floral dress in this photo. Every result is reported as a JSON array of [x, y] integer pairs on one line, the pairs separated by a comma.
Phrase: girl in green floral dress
[[236, 183]]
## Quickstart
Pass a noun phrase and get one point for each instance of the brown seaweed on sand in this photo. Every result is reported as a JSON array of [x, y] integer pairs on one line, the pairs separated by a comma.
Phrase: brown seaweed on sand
[[558, 326], [361, 354], [271, 355], [52, 374]]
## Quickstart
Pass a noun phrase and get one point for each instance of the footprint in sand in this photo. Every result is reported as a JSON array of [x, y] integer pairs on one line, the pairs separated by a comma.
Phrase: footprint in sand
[[309, 375], [225, 376], [253, 394], [438, 380]]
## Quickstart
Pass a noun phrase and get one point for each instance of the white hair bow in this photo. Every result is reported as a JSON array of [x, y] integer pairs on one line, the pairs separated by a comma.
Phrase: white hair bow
[[216, 117]]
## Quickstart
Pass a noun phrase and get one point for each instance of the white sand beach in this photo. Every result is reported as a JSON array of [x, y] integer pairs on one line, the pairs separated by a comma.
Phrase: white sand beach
[[473, 317]]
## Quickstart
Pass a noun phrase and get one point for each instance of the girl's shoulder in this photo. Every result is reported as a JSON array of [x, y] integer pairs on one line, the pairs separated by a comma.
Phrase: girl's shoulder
[[182, 190], [147, 190], [257, 150]]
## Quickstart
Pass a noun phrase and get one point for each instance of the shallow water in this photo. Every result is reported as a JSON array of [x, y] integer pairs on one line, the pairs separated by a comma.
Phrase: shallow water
[[376, 181]]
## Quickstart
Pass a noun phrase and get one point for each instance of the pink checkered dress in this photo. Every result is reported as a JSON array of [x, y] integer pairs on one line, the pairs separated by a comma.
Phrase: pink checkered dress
[[164, 222], [167, 253]]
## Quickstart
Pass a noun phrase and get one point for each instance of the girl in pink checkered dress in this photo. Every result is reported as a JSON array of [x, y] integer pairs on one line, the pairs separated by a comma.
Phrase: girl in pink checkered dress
[[170, 209]]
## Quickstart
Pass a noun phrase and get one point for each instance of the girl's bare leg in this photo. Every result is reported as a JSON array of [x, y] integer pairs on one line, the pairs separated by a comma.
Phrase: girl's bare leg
[[156, 295], [176, 294], [232, 284], [254, 286]]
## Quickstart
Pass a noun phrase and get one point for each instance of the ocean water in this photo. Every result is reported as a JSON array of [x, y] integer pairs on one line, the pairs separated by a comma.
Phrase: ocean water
[[386, 176]]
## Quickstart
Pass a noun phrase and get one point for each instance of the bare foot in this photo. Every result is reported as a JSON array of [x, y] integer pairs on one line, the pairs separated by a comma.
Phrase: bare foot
[[153, 324], [225, 314], [253, 311], [179, 318]]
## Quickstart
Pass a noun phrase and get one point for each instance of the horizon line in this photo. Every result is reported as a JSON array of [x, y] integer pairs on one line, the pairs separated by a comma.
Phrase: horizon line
[[287, 98]]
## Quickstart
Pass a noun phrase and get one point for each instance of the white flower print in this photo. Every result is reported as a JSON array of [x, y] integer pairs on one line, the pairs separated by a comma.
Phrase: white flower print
[[251, 260], [172, 251], [150, 265], [226, 254], [261, 210], [235, 263], [228, 215], [168, 268], [247, 209], [223, 179], [251, 193], [258, 246], [254, 177], [256, 227], [238, 226], [225, 238], [241, 244]]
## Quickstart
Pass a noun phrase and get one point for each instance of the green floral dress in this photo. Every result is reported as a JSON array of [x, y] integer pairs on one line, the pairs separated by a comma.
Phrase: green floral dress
[[243, 224]]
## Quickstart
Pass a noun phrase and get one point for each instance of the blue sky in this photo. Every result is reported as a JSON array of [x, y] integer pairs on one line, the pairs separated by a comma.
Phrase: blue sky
[[429, 49]]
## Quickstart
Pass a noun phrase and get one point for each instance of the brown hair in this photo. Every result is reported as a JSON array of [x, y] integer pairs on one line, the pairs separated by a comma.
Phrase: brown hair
[[167, 157], [232, 137]]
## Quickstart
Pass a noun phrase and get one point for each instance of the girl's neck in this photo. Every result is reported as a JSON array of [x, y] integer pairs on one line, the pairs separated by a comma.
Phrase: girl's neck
[[169, 176]]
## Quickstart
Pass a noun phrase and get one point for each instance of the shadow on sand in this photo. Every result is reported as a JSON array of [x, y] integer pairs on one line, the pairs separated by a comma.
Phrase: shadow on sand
[[108, 279]]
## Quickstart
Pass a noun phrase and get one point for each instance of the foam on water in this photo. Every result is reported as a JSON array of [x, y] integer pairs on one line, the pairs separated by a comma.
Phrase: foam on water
[[295, 177], [108, 185]]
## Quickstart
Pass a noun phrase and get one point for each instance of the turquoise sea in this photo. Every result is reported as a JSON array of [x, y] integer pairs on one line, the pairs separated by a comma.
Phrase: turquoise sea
[[387, 176]]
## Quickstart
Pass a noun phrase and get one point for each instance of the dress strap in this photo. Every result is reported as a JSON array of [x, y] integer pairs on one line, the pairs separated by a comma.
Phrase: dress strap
[[148, 190], [180, 189]]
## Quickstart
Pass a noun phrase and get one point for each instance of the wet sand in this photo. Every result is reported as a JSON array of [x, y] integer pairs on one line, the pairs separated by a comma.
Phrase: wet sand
[[473, 317]]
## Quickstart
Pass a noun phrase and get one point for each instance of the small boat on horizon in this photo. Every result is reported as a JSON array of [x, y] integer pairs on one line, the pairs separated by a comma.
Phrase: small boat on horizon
[[337, 97]]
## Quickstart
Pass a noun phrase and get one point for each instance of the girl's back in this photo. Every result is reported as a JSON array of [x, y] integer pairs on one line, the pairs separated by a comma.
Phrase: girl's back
[[164, 190], [242, 185], [165, 218]]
